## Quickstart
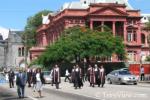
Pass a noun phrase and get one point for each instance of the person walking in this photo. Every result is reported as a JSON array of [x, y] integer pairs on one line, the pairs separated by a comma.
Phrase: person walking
[[78, 77], [34, 79], [101, 76], [29, 77], [67, 74], [39, 81], [73, 75], [91, 76], [142, 73], [96, 72], [11, 77], [21, 82], [56, 76]]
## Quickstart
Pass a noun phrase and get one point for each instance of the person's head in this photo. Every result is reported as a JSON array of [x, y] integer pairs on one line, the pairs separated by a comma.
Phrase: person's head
[[90, 66], [74, 66], [101, 66], [96, 66], [77, 66], [141, 66], [56, 66], [38, 70]]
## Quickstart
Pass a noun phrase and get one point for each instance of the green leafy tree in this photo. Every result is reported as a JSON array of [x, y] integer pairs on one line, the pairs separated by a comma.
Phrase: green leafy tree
[[33, 23], [83, 43]]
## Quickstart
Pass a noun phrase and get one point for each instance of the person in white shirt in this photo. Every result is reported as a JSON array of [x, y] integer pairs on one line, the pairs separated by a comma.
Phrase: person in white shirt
[[39, 81], [142, 73], [67, 74]]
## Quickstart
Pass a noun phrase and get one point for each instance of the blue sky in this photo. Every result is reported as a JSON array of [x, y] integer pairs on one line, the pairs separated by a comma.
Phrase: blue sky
[[14, 13]]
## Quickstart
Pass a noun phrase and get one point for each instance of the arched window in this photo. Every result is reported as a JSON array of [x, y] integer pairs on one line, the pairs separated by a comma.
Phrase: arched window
[[143, 38], [23, 51], [19, 52]]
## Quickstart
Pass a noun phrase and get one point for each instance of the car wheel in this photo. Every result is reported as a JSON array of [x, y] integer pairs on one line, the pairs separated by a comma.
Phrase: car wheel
[[135, 83], [119, 81], [109, 81]]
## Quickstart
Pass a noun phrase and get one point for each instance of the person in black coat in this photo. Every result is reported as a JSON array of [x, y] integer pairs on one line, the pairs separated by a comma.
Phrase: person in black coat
[[56, 76], [29, 77], [21, 82], [11, 76], [34, 79], [96, 72], [101, 76], [78, 77]]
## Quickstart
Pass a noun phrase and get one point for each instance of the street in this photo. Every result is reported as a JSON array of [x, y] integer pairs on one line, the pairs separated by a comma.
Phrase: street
[[67, 92]]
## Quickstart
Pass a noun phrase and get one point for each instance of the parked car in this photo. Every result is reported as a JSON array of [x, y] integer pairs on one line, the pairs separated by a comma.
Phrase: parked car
[[2, 78], [124, 69], [47, 76], [121, 77]]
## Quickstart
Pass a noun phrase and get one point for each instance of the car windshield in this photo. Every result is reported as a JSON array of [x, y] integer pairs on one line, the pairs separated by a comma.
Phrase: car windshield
[[46, 73], [124, 73]]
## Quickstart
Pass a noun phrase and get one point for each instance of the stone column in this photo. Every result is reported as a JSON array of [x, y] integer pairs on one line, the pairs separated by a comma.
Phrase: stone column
[[114, 28], [91, 24], [125, 32], [44, 39], [146, 42], [102, 26], [139, 35]]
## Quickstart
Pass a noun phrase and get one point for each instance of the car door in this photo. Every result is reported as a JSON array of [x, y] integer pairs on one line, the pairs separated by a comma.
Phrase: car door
[[116, 76], [112, 76]]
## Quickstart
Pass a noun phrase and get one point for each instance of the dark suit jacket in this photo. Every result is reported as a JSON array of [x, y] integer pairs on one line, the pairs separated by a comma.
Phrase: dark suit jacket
[[21, 79]]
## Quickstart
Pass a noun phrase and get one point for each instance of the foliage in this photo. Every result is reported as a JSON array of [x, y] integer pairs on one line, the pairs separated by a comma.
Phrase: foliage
[[148, 58], [33, 23], [83, 43]]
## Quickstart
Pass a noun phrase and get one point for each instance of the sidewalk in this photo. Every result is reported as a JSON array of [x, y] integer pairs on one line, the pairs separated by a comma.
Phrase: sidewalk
[[144, 83]]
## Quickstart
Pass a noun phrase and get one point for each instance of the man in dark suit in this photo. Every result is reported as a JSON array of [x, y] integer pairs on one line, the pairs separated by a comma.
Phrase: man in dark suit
[[56, 76], [11, 78], [21, 82]]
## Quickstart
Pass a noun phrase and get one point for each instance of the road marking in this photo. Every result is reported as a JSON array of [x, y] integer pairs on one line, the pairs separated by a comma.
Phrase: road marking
[[14, 90], [32, 98]]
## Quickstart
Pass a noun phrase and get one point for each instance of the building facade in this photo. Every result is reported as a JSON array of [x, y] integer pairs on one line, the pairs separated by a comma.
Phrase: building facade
[[12, 49], [118, 15]]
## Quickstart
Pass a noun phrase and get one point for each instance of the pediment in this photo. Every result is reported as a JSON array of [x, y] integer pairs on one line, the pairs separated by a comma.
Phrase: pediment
[[109, 11]]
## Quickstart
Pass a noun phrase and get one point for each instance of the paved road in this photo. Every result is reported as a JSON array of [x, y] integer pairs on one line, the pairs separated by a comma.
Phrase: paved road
[[109, 92], [9, 94], [67, 92]]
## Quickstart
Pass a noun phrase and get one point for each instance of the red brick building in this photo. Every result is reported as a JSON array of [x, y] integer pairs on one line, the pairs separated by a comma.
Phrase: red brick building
[[118, 15]]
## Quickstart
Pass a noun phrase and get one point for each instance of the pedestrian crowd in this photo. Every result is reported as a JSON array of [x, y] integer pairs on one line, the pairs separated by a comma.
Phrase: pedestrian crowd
[[35, 78]]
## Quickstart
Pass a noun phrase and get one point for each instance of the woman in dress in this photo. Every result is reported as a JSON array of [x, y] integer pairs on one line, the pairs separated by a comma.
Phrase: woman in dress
[[39, 81]]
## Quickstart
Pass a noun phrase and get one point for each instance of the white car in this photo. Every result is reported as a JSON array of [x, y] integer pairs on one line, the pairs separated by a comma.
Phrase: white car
[[47, 76], [121, 77]]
